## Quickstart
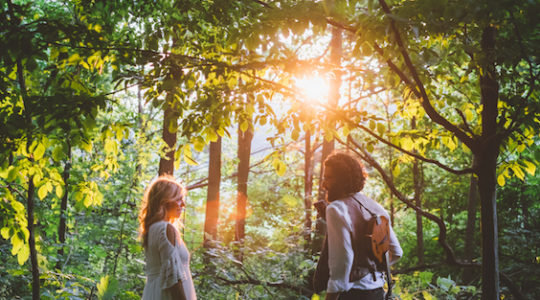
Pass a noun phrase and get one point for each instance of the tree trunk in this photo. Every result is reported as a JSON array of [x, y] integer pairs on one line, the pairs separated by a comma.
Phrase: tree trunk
[[244, 155], [470, 251], [417, 182], [63, 211], [212, 196], [486, 156], [336, 50], [308, 188], [32, 240], [170, 123], [418, 202]]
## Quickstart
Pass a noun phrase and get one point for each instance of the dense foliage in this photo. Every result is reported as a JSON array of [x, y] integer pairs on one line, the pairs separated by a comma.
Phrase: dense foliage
[[83, 90]]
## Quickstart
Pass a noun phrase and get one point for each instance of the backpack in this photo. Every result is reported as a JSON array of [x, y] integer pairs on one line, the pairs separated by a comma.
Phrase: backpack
[[377, 237]]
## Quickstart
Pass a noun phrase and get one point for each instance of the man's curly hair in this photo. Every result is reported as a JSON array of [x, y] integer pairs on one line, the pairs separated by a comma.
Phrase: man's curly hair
[[350, 173]]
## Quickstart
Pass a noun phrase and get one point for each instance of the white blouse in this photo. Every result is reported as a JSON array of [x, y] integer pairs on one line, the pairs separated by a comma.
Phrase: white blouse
[[166, 264], [340, 251]]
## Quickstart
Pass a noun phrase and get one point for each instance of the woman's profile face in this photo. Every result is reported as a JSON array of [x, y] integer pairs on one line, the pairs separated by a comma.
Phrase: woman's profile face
[[174, 207]]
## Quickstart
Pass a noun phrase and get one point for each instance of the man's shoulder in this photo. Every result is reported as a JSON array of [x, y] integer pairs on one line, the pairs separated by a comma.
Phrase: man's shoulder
[[372, 205]]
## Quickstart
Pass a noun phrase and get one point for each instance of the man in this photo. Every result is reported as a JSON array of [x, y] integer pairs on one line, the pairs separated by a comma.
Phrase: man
[[351, 272]]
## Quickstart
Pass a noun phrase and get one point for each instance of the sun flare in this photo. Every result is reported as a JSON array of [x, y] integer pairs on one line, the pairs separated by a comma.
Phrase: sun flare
[[312, 88]]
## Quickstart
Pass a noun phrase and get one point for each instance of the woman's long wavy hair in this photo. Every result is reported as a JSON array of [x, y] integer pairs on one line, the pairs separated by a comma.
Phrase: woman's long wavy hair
[[350, 174], [157, 196]]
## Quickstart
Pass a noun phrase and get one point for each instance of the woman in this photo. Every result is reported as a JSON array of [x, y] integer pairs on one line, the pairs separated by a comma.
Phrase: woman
[[167, 258]]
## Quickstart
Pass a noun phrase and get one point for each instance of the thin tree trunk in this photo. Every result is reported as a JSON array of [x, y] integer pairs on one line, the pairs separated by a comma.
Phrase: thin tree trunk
[[32, 239], [170, 123], [308, 187], [63, 210], [417, 181], [31, 187], [418, 202], [212, 196], [244, 154], [486, 156]]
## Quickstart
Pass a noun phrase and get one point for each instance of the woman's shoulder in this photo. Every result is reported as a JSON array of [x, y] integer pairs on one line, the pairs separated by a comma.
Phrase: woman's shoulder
[[158, 226]]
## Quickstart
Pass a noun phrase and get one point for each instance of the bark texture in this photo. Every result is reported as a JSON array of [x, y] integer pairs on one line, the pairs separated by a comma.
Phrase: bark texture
[[212, 196]]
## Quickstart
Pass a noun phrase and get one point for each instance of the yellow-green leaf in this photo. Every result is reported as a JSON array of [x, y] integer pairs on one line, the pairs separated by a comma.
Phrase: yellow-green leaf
[[5, 233], [17, 244], [529, 167], [86, 146], [59, 191], [54, 53], [87, 201], [346, 132], [42, 192], [295, 134], [198, 144], [381, 128], [23, 255], [500, 180], [73, 58], [244, 126], [517, 171], [39, 151], [328, 136], [211, 135], [187, 156], [372, 125], [427, 296]]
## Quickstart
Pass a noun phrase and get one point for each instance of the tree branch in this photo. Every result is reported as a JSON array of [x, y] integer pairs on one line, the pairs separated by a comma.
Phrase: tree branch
[[426, 104], [362, 153], [415, 155]]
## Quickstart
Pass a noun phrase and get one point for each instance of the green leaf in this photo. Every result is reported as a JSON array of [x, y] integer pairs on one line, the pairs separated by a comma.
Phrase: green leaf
[[12, 173], [445, 283], [58, 153]]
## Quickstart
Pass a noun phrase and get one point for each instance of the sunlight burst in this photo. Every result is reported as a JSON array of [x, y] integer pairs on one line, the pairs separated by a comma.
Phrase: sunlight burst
[[313, 88]]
